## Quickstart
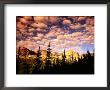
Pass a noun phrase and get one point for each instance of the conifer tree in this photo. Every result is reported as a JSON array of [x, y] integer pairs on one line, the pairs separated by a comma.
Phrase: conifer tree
[[63, 57], [88, 53], [72, 57], [48, 57], [38, 60]]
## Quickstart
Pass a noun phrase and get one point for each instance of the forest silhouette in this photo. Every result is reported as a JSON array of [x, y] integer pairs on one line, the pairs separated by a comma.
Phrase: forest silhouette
[[84, 64]]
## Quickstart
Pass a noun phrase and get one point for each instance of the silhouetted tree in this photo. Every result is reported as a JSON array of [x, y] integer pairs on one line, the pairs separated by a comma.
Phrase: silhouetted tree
[[38, 59], [57, 61], [63, 57], [72, 57], [88, 53], [48, 57], [83, 64]]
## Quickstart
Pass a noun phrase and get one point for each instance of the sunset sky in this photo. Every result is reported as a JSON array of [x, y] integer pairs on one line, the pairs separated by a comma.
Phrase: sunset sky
[[63, 32]]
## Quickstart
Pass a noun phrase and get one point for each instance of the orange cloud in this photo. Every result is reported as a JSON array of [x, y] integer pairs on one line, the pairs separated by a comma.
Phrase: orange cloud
[[67, 22], [40, 35], [19, 25], [41, 19], [60, 37], [23, 20], [72, 26], [76, 26], [39, 25], [31, 29], [90, 21], [81, 18], [27, 17], [36, 38], [24, 43], [53, 19], [76, 34]]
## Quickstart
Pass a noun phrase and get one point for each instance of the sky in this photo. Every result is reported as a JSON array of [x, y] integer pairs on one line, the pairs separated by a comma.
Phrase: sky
[[63, 32]]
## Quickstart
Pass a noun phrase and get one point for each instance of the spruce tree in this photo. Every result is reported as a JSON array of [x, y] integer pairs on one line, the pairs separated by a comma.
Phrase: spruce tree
[[72, 57], [38, 60], [48, 57], [63, 57], [88, 54]]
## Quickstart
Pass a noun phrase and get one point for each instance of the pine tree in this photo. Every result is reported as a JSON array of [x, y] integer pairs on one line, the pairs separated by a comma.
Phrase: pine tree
[[38, 60], [39, 53], [48, 58], [93, 52], [88, 53], [72, 57], [63, 57], [78, 57]]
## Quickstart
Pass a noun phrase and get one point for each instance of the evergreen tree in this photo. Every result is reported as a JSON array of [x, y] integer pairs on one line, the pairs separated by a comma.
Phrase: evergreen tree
[[38, 59], [48, 58], [72, 57], [78, 56], [88, 54], [63, 57], [19, 52], [39, 54], [57, 61], [93, 52]]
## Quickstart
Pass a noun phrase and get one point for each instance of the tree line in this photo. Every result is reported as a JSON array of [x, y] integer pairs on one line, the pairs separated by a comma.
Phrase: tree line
[[82, 65]]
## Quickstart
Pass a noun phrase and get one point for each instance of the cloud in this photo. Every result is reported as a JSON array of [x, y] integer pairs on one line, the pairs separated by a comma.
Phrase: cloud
[[89, 28], [40, 35], [34, 25], [36, 38], [53, 19], [19, 25], [43, 30], [41, 19], [55, 32], [23, 20], [45, 40], [39, 25], [90, 21], [60, 37], [81, 18], [72, 26], [76, 34], [27, 17], [66, 22], [89, 40], [31, 30], [24, 43], [76, 26]]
